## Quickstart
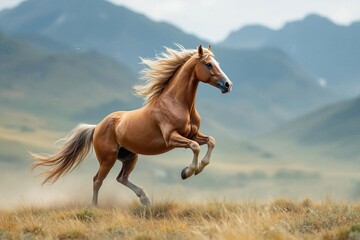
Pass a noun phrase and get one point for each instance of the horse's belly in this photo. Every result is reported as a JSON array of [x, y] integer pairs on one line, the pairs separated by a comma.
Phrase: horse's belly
[[146, 145], [152, 151], [142, 137]]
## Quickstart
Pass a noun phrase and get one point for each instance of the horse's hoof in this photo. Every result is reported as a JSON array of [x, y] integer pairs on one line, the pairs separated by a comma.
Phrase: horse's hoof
[[198, 171], [201, 168], [183, 174], [145, 201]]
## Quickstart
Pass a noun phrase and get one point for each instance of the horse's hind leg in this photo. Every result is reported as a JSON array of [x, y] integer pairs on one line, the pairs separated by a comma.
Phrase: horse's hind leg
[[98, 179], [129, 162], [106, 155]]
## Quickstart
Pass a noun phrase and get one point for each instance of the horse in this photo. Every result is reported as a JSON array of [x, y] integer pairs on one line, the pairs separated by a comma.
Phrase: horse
[[167, 120]]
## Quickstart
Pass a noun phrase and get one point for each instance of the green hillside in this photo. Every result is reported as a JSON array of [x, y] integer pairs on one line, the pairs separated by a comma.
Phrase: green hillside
[[332, 131], [59, 84]]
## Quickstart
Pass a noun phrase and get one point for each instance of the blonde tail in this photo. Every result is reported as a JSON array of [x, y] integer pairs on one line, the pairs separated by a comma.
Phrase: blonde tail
[[76, 146]]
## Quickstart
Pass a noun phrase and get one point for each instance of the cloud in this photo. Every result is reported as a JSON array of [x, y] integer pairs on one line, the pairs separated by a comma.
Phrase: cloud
[[9, 3], [322, 82]]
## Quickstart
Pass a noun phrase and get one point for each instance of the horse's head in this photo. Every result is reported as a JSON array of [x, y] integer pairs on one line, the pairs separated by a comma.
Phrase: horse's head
[[209, 71]]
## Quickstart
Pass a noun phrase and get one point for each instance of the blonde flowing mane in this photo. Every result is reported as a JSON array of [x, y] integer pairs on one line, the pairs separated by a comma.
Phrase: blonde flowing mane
[[158, 71]]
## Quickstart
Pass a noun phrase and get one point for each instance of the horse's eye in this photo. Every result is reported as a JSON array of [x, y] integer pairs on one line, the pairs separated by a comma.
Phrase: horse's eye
[[208, 65]]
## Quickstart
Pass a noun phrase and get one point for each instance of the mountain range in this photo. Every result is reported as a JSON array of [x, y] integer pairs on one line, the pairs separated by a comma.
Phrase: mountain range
[[327, 51]]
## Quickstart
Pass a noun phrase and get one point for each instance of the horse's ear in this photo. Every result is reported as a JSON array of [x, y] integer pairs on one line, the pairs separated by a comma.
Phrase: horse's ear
[[209, 48], [200, 51]]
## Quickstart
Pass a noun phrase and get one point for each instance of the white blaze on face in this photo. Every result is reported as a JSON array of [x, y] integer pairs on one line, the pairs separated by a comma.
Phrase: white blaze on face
[[217, 65], [225, 77]]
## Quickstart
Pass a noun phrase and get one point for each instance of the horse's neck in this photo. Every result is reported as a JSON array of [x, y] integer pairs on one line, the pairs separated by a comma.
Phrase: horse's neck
[[182, 88]]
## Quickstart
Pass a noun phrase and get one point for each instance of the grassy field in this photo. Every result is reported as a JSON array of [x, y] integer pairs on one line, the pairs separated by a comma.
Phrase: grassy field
[[279, 219]]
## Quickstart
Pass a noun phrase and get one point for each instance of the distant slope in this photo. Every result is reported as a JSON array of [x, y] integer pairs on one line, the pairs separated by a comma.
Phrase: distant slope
[[94, 24], [59, 84], [269, 88], [322, 48], [333, 130]]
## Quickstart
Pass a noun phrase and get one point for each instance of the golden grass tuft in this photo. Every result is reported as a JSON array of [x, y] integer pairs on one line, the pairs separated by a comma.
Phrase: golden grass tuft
[[275, 220], [159, 210], [285, 205], [87, 215]]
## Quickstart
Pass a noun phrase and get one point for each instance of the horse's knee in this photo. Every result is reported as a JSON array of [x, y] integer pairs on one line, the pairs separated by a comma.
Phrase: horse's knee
[[122, 178], [195, 147], [211, 142]]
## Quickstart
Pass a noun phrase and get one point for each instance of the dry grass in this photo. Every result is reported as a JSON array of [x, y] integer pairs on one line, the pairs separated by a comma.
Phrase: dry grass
[[279, 219]]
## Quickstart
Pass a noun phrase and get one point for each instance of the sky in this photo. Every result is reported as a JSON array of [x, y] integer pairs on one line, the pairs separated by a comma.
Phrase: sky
[[213, 20]]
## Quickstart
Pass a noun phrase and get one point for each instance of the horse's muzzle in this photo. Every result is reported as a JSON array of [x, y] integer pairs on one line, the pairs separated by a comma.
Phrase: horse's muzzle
[[224, 85]]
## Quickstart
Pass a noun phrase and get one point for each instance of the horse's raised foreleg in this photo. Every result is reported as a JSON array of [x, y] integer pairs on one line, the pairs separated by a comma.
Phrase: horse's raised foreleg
[[178, 141], [129, 163], [210, 141]]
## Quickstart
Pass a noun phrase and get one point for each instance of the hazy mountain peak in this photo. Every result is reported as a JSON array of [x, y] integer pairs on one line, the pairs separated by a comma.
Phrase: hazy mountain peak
[[250, 36], [251, 27], [316, 17], [313, 20]]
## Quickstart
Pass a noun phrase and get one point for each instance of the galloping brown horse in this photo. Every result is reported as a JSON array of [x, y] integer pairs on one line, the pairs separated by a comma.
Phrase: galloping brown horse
[[168, 120]]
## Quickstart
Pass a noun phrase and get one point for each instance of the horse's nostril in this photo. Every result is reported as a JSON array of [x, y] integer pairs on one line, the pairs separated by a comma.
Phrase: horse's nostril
[[227, 85]]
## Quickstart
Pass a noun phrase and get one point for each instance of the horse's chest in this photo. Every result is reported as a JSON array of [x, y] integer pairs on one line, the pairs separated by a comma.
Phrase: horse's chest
[[180, 120], [194, 128], [189, 128]]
